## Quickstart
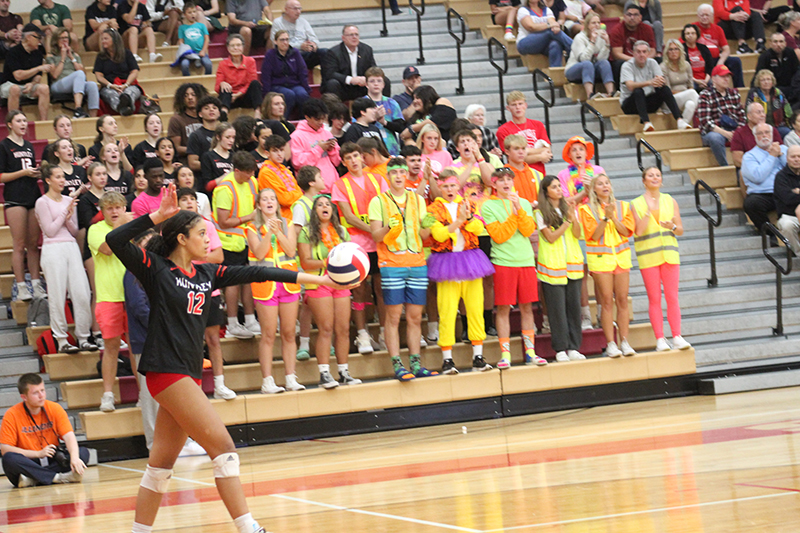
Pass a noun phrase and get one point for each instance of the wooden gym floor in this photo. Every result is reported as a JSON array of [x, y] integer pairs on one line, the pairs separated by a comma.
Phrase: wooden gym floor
[[712, 464]]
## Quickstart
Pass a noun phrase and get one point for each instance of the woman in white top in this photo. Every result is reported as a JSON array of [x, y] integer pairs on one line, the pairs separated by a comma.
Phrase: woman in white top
[[589, 57], [539, 33], [678, 73]]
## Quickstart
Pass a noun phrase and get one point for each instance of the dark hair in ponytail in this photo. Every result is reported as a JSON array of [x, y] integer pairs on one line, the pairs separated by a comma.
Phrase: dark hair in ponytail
[[47, 170], [179, 224]]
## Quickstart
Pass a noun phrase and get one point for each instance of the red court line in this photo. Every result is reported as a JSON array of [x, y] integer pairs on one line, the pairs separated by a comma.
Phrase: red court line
[[391, 473], [767, 487]]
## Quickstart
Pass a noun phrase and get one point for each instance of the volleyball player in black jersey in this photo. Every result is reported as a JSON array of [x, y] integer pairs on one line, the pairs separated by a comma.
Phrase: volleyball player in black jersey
[[172, 358]]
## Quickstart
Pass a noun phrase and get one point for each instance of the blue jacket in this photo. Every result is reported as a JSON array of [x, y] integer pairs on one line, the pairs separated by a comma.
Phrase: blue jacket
[[137, 307], [284, 71]]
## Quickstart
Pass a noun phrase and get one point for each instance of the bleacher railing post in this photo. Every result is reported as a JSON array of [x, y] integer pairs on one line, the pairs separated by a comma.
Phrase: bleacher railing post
[[493, 42], [384, 31], [459, 41], [597, 140], [545, 102], [767, 230], [419, 11], [649, 147], [712, 223]]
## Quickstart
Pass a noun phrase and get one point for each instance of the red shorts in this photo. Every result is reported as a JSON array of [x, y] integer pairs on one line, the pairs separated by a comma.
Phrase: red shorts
[[112, 319], [324, 291], [158, 381], [515, 285]]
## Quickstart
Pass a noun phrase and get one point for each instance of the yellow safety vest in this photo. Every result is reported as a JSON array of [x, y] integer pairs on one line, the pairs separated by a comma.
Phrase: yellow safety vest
[[409, 239], [276, 258], [612, 250], [354, 203], [560, 260], [658, 245], [233, 239]]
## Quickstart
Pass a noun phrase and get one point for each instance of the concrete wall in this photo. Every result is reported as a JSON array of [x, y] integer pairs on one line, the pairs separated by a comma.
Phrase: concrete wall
[[25, 6]]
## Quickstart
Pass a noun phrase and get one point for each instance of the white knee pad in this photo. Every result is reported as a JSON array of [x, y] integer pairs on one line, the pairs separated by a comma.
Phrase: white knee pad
[[156, 479], [226, 465]]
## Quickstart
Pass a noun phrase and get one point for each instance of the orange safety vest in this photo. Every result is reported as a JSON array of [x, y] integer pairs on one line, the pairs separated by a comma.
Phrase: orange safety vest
[[360, 204], [238, 231], [612, 249], [276, 258]]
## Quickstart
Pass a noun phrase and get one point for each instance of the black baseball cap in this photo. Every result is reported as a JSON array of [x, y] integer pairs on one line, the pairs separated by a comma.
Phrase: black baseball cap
[[410, 72], [32, 28]]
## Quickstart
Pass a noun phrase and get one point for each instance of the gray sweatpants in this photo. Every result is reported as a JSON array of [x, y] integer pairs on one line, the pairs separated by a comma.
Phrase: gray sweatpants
[[63, 269]]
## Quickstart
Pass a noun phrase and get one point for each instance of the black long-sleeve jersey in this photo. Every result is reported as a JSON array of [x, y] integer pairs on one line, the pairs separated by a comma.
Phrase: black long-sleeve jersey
[[179, 301]]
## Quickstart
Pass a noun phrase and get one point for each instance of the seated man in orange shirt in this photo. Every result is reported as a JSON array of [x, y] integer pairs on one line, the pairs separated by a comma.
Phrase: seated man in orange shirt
[[30, 436], [277, 176]]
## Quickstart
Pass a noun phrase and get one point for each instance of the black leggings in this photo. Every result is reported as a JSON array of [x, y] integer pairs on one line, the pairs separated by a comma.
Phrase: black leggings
[[249, 100]]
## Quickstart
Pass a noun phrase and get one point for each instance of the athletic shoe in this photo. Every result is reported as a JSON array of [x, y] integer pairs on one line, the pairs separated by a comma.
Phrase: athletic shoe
[[101, 344], [509, 37], [192, 449], [381, 343], [125, 105], [326, 381], [562, 357], [546, 325], [504, 364], [612, 350], [303, 355], [744, 49], [423, 372], [491, 332], [364, 343], [575, 355], [662, 345], [683, 125], [402, 374], [137, 58], [253, 327], [80, 113], [648, 126], [433, 336], [679, 343], [155, 58], [68, 477], [760, 47], [535, 360], [268, 386], [239, 331], [479, 364], [626, 348], [88, 346], [25, 482], [165, 44], [68, 348], [123, 345], [107, 402], [449, 367], [422, 342], [586, 323], [292, 384], [223, 393], [346, 379], [23, 292]]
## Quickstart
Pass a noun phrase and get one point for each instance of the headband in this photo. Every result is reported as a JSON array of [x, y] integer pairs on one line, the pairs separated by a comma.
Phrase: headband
[[448, 179], [401, 166]]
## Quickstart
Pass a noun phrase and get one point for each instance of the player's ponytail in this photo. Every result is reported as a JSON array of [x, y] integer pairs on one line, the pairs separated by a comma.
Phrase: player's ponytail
[[180, 224]]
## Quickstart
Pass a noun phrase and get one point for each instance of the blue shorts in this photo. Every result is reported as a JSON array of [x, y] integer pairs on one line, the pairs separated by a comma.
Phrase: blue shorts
[[406, 285]]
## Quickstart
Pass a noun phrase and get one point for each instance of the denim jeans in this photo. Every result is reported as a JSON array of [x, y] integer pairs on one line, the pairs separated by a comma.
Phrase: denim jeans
[[186, 63], [294, 96], [553, 44], [587, 72], [716, 142], [76, 83]]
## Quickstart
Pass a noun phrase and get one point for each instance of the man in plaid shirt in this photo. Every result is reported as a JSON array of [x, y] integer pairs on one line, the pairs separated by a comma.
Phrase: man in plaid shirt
[[719, 113]]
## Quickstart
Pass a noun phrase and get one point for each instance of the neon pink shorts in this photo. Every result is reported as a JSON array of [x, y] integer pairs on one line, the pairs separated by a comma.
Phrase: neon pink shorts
[[280, 296], [327, 292]]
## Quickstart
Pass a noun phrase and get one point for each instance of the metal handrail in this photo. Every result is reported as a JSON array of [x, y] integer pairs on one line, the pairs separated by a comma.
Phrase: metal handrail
[[597, 140], [652, 150], [384, 31], [546, 103], [459, 41], [712, 223], [779, 270], [419, 11], [500, 72]]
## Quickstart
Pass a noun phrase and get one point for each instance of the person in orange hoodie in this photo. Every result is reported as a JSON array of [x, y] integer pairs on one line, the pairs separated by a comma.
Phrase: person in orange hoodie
[[276, 176]]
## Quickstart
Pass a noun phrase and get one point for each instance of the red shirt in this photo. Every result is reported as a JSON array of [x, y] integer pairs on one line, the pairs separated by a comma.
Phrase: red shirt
[[723, 8], [239, 77], [697, 62], [621, 36], [713, 37], [533, 130]]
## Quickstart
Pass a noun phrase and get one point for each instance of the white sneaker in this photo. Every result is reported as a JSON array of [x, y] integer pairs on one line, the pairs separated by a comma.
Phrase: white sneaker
[[612, 350], [155, 58], [509, 37], [364, 343], [662, 345], [223, 393], [626, 348], [123, 345], [191, 448], [253, 327], [422, 342], [239, 331], [165, 44], [268, 386], [137, 58], [38, 289], [575, 355], [107, 402], [292, 384], [562, 357], [683, 125], [648, 126], [679, 343], [433, 336], [25, 482], [545, 325], [382, 342], [67, 477], [586, 323], [23, 292]]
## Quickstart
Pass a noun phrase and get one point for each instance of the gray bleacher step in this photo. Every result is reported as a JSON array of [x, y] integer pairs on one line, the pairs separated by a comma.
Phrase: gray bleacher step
[[16, 351], [20, 365], [12, 338], [748, 350], [363, 17], [698, 288], [10, 396], [749, 382], [741, 338], [730, 295], [726, 270]]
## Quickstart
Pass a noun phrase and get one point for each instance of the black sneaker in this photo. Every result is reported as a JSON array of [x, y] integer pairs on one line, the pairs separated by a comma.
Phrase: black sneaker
[[760, 47], [479, 364], [449, 367], [80, 113], [744, 49], [125, 105], [491, 331], [326, 381]]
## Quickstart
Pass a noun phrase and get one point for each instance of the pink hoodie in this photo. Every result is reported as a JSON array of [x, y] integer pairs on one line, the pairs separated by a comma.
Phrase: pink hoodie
[[306, 151]]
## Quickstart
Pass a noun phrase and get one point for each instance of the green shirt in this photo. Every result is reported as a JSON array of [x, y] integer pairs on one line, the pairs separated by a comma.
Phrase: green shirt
[[54, 17], [517, 250], [69, 66], [108, 270]]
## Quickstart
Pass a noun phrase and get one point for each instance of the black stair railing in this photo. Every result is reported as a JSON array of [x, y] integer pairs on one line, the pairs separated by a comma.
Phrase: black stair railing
[[494, 44], [712, 223], [546, 102], [586, 108], [649, 147], [768, 230], [419, 11], [460, 39]]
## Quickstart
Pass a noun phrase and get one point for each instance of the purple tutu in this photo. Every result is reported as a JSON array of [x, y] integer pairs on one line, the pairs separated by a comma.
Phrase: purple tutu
[[459, 266]]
